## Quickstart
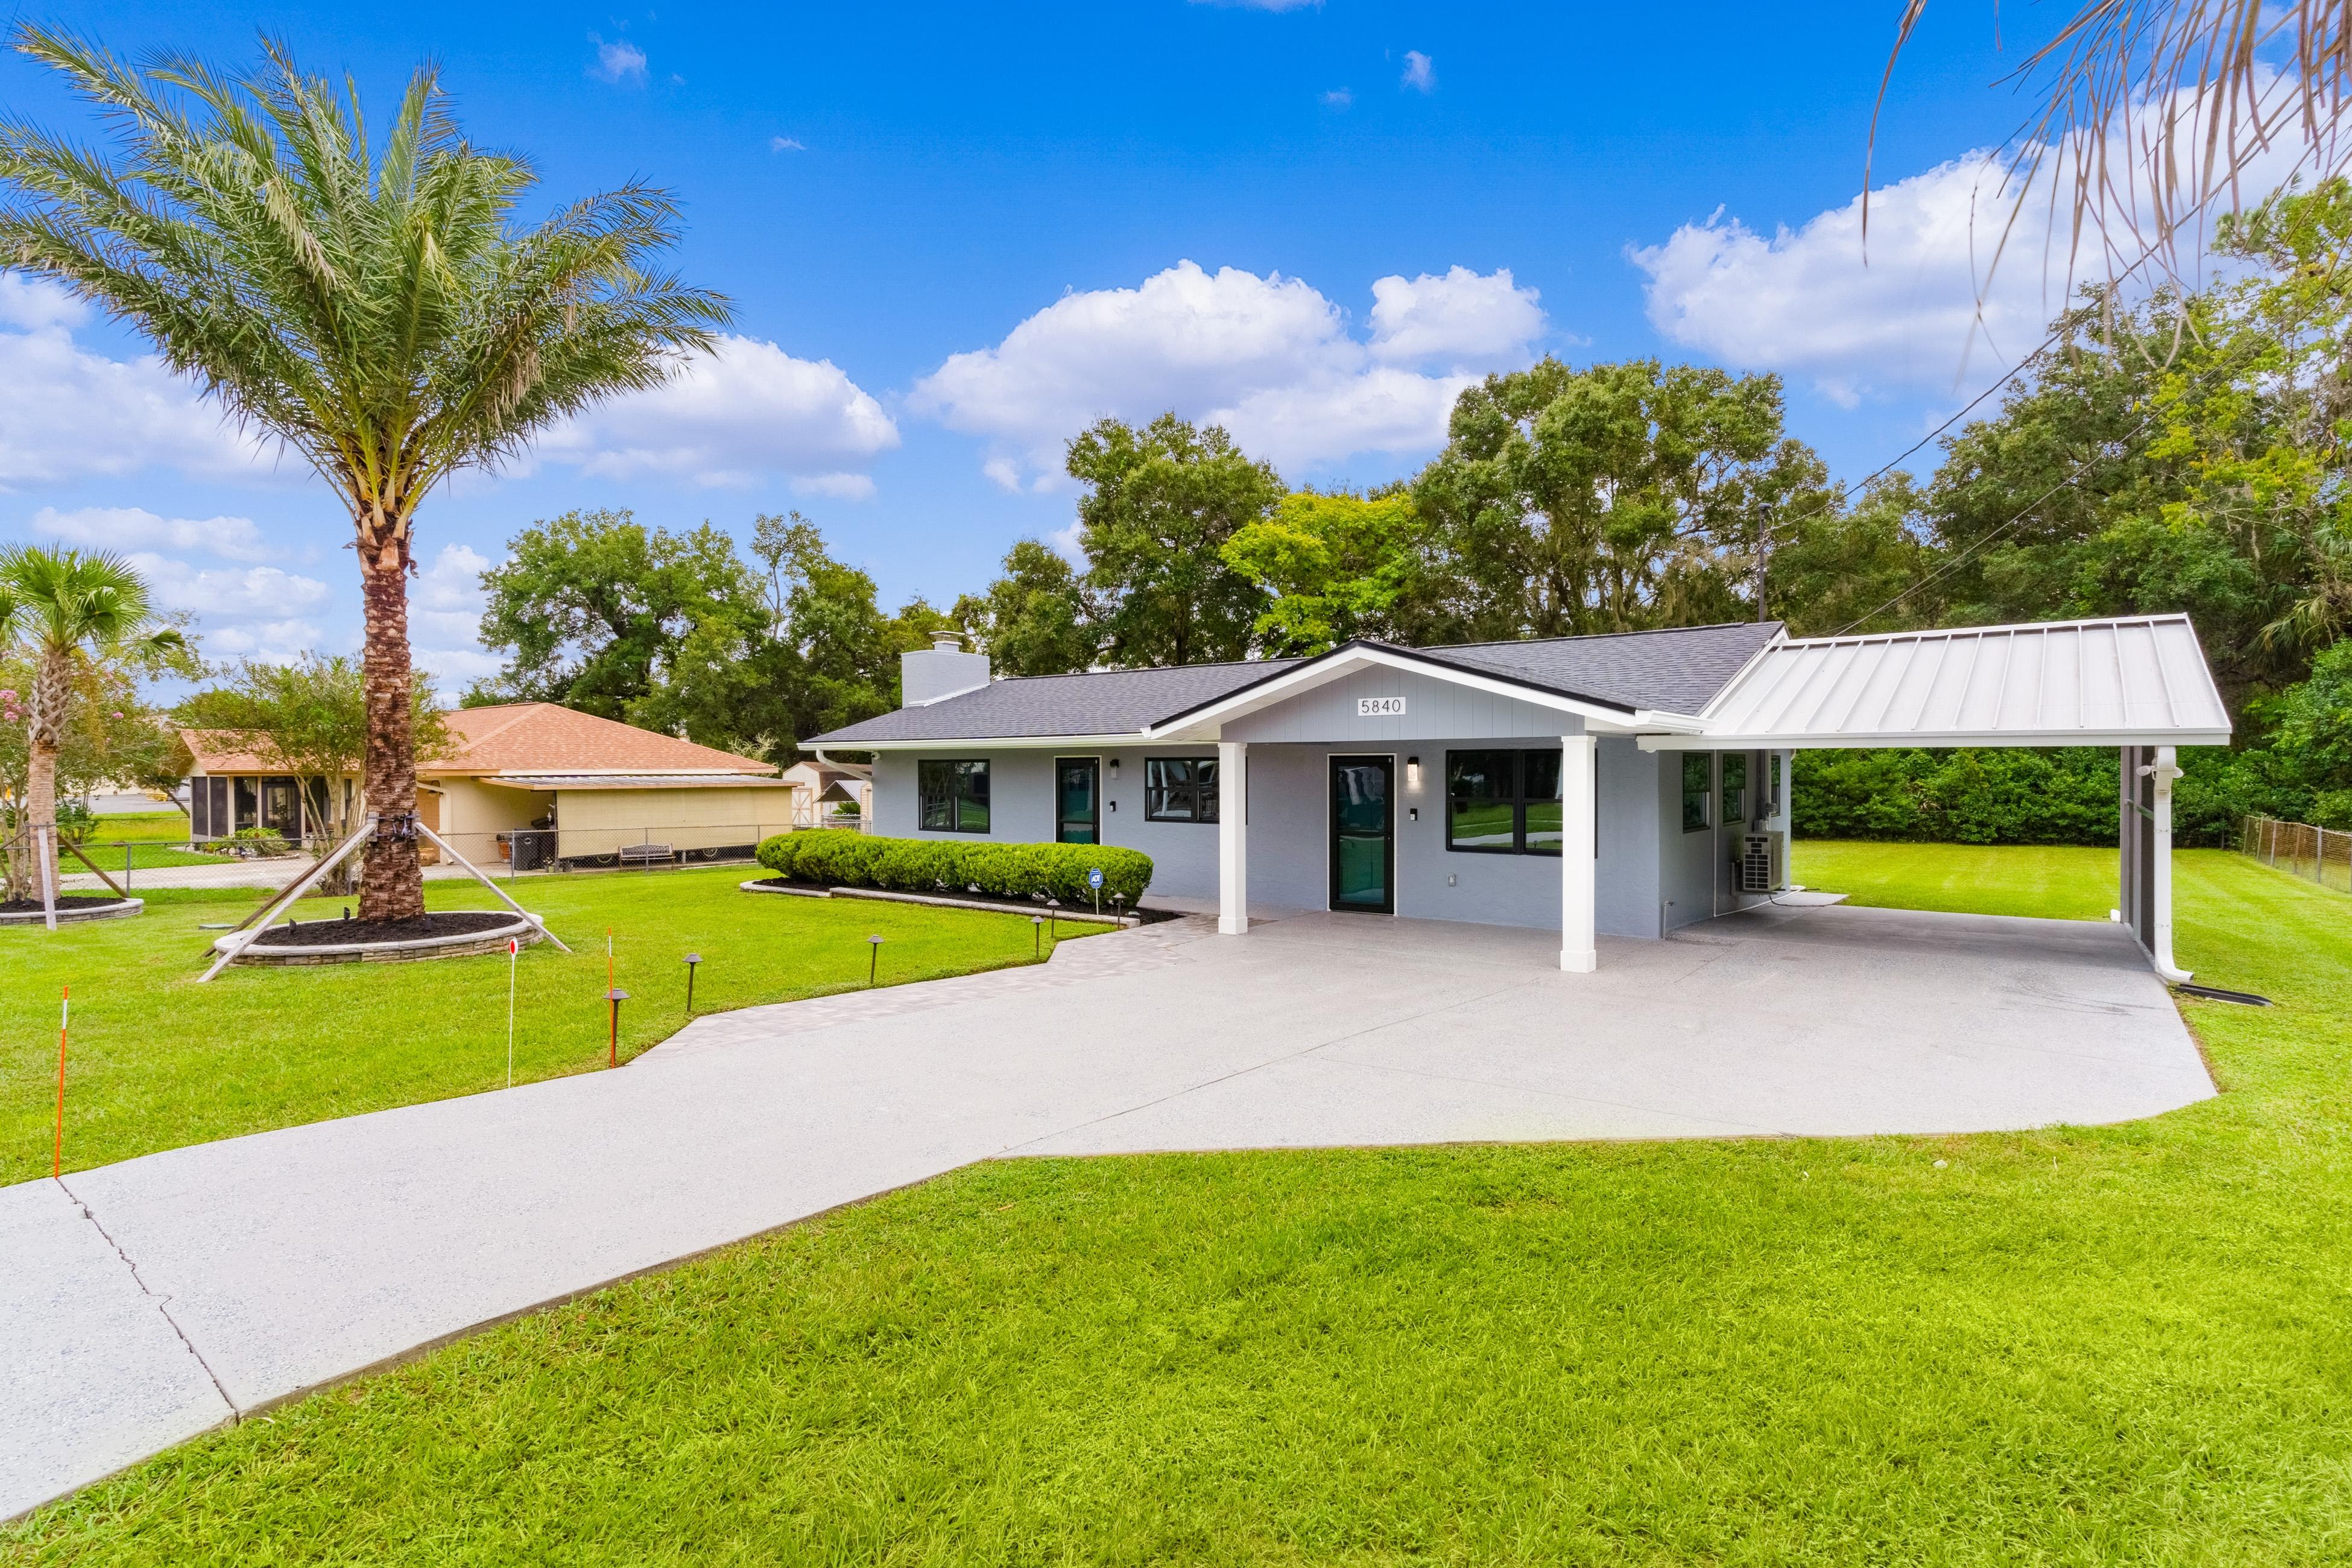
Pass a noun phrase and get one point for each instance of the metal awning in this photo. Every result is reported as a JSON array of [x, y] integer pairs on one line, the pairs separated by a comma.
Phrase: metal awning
[[2136, 681]]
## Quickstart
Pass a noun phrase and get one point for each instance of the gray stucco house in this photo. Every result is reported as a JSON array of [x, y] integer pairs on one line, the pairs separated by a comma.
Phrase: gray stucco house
[[1622, 785]]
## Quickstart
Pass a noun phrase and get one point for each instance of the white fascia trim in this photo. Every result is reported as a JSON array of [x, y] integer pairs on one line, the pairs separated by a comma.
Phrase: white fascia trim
[[1201, 723], [992, 742], [2036, 738]]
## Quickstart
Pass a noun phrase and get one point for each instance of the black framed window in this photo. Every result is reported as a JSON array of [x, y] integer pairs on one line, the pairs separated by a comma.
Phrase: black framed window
[[1180, 789], [1504, 803], [954, 795], [248, 803], [1735, 786], [1698, 791]]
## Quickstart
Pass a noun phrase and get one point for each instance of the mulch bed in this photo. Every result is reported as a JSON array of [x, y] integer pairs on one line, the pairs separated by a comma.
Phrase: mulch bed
[[330, 933], [1016, 906], [65, 901]]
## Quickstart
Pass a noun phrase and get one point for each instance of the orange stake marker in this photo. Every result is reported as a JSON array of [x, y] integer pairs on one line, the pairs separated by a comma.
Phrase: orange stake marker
[[58, 1150]]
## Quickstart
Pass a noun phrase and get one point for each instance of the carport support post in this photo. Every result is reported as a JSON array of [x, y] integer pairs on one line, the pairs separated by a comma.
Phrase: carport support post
[[1578, 782], [2167, 769], [1232, 837]]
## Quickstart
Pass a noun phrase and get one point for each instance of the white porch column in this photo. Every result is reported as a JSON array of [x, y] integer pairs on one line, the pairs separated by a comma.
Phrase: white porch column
[[1232, 837], [1578, 781], [2167, 769]]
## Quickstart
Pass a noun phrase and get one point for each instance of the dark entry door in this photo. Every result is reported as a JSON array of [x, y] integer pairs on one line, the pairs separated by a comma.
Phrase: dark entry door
[[1363, 836], [1077, 800]]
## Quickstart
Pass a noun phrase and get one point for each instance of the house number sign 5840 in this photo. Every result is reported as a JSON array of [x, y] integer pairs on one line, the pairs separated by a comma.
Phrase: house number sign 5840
[[1380, 707]]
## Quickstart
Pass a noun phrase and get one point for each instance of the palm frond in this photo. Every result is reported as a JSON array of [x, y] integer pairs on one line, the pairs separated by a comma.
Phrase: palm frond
[[378, 309], [2151, 113]]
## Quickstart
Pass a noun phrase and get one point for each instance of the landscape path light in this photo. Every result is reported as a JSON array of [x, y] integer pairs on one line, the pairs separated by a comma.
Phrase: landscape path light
[[873, 957], [615, 996], [692, 958], [1037, 936]]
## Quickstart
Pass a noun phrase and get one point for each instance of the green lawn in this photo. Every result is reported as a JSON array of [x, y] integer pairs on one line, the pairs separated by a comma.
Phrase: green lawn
[[2070, 883], [157, 1060], [157, 839], [2121, 1344]]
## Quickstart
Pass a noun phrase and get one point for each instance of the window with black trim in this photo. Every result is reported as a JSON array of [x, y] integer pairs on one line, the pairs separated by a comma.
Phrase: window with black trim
[[1698, 791], [1735, 786], [954, 795], [1180, 789], [1504, 803]]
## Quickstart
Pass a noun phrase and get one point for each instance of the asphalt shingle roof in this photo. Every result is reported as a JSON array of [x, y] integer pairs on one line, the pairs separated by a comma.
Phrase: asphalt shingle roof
[[1676, 671], [1097, 702]]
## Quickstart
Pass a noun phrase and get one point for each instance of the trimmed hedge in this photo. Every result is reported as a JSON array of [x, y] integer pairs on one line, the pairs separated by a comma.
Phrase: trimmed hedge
[[840, 858]]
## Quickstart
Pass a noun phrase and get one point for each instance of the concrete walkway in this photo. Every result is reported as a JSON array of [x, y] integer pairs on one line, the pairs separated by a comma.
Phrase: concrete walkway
[[146, 1301]]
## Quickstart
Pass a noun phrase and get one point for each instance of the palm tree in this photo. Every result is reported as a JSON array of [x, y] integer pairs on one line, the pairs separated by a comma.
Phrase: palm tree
[[377, 310], [70, 607]]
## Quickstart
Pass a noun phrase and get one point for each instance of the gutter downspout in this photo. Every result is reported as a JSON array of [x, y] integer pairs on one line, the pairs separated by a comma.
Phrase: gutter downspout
[[2166, 769]]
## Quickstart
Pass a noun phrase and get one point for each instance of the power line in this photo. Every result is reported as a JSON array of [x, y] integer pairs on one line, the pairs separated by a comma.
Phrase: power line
[[1959, 559]]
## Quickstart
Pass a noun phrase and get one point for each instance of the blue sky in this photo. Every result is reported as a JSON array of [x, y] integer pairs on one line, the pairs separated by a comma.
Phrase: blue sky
[[953, 234]]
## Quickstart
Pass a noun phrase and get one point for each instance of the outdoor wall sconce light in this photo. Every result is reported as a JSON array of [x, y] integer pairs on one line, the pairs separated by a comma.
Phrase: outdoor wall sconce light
[[691, 960], [1113, 768], [1412, 814], [1412, 773]]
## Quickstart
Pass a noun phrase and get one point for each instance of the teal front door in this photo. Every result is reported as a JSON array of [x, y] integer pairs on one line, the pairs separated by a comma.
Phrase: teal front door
[[1077, 800], [1363, 835]]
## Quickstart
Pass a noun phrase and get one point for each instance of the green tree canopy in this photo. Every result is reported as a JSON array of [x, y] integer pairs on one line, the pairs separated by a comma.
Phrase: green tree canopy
[[592, 607], [1612, 499], [1160, 504], [1339, 566], [1035, 619]]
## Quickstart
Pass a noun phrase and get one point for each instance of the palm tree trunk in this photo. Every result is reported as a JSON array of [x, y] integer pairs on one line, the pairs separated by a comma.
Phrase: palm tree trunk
[[391, 884], [51, 680]]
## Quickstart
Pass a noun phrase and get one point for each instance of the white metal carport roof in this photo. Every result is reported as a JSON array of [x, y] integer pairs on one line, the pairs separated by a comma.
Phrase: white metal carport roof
[[2137, 681]]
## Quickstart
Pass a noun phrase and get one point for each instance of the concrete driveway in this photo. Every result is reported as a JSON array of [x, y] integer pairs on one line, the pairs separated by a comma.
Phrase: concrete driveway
[[149, 1301]]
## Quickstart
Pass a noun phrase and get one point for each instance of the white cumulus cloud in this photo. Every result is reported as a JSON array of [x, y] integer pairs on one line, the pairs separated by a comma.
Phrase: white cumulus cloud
[[728, 418], [1270, 358], [444, 615], [1463, 318], [1928, 310], [785, 144], [618, 62], [1420, 71], [267, 642], [127, 528], [228, 592], [66, 413]]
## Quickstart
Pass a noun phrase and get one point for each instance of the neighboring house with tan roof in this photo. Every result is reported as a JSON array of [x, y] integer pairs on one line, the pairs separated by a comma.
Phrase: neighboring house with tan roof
[[532, 782]]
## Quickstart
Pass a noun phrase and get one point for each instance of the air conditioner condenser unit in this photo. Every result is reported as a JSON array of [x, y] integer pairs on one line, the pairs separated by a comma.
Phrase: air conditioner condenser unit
[[1763, 862]]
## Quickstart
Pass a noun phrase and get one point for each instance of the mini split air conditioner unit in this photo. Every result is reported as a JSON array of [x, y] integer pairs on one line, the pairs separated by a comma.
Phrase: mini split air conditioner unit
[[1763, 865]]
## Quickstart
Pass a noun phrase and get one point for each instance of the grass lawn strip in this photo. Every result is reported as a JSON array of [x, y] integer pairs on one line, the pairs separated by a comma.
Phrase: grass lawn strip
[[157, 1061], [2070, 1346]]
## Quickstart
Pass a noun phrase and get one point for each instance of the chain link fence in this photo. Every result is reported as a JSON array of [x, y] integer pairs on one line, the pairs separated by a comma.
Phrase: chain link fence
[[2321, 855]]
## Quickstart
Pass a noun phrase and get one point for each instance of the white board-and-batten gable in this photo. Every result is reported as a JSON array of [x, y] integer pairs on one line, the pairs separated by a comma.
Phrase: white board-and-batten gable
[[1436, 707]]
